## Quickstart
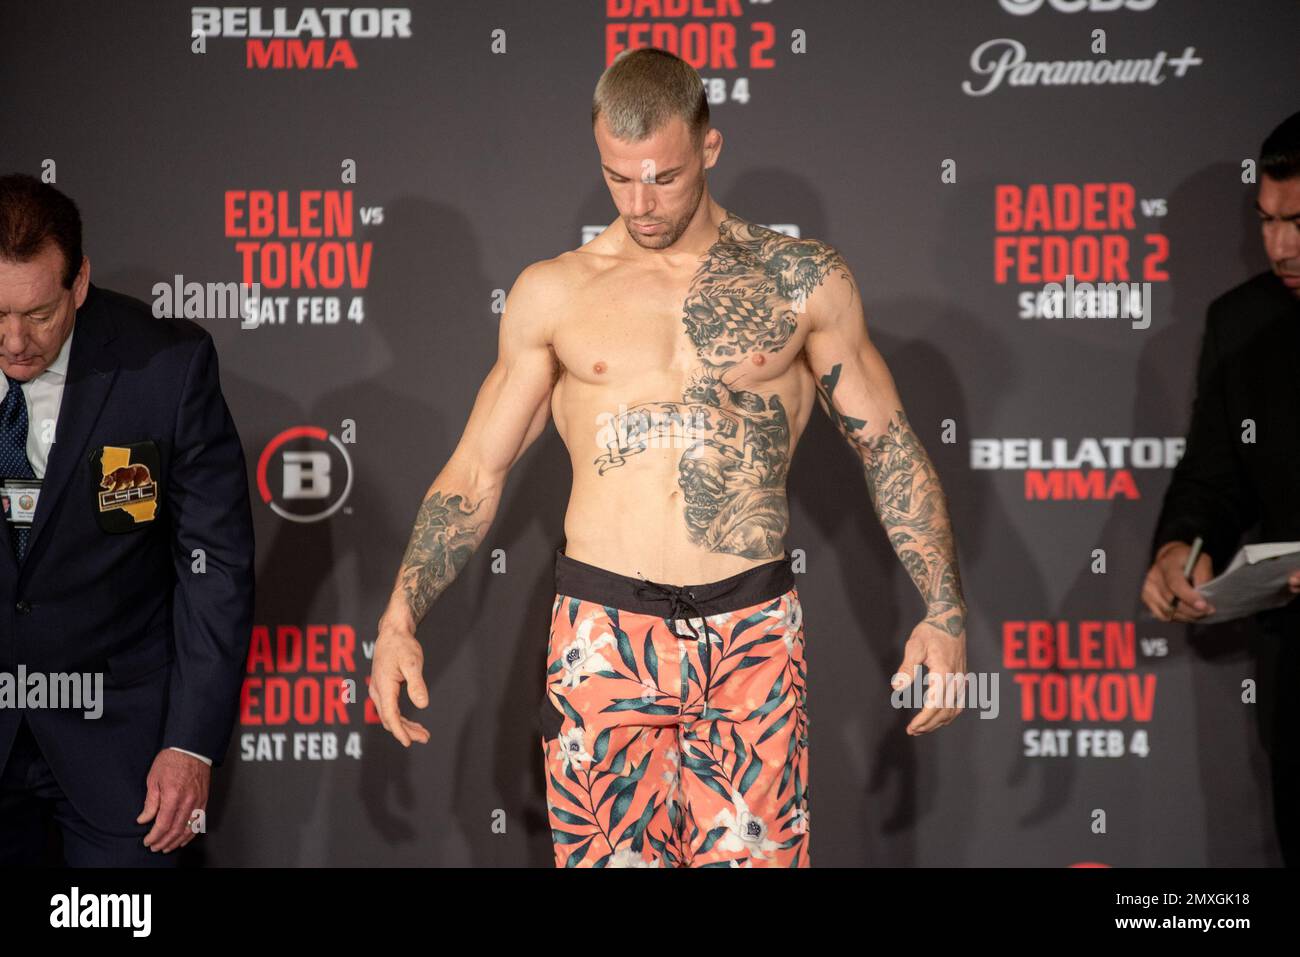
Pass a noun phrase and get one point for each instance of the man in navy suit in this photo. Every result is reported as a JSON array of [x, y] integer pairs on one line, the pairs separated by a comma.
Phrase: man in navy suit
[[126, 555], [1225, 486]]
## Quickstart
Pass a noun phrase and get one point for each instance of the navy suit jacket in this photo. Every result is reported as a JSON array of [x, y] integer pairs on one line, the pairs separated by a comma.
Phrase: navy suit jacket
[[1223, 487], [101, 591]]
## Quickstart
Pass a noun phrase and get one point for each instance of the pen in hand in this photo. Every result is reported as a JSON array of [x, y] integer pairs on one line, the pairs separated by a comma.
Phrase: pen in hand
[[1194, 554]]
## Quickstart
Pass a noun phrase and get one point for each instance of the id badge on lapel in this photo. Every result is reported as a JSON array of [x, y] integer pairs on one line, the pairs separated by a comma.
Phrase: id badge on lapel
[[20, 497], [124, 480]]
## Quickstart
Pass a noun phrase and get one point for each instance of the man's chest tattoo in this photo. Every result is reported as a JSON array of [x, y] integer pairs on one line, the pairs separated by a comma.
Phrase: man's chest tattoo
[[744, 300]]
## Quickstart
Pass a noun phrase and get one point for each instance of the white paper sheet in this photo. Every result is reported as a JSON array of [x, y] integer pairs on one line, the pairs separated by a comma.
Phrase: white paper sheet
[[1255, 580]]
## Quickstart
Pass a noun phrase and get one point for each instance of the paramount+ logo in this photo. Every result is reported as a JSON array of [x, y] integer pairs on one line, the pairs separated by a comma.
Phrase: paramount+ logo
[[1025, 7], [1091, 468], [304, 474]]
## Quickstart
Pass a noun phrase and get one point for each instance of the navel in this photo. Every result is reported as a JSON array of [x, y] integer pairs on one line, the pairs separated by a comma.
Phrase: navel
[[598, 368]]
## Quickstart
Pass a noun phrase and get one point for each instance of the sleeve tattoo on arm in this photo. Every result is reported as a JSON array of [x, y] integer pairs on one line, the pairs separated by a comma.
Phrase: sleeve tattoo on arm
[[910, 504], [444, 537]]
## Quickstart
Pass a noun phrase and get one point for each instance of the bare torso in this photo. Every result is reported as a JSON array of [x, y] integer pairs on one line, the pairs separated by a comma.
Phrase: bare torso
[[681, 396]]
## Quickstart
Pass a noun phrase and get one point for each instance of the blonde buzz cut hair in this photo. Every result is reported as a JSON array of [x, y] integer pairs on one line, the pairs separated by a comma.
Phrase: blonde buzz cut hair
[[642, 90]]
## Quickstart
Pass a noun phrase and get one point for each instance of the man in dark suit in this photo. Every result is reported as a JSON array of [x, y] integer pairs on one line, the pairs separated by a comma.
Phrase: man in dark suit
[[126, 555], [1241, 467]]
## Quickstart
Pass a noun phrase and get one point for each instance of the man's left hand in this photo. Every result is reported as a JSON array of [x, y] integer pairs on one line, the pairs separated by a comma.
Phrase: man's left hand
[[176, 787], [944, 658]]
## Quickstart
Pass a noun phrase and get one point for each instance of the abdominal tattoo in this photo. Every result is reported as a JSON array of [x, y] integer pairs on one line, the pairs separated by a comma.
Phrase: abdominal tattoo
[[744, 299], [444, 537], [910, 504]]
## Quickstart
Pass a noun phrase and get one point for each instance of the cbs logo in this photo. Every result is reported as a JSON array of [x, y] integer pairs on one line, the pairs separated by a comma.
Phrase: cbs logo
[[1024, 7]]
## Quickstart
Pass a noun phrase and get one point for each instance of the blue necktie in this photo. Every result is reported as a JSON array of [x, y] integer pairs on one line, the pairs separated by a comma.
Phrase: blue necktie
[[13, 452]]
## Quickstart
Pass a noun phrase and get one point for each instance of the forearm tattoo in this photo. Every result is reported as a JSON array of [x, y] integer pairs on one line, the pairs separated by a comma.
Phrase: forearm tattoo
[[744, 299], [910, 504], [445, 535]]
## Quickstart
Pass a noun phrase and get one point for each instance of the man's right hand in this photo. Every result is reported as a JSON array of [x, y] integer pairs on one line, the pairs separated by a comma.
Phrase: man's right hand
[[398, 658], [1165, 579]]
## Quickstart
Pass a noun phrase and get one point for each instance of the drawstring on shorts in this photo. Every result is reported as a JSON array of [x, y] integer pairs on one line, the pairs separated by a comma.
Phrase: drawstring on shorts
[[681, 599]]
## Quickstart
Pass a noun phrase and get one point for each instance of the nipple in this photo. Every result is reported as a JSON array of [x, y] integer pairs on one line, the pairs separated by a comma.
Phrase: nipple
[[598, 368], [759, 358]]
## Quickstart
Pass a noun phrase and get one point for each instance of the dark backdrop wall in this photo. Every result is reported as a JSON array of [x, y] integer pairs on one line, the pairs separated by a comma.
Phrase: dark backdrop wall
[[469, 131]]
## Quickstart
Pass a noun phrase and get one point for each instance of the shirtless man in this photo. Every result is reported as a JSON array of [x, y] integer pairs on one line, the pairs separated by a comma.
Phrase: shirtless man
[[680, 354]]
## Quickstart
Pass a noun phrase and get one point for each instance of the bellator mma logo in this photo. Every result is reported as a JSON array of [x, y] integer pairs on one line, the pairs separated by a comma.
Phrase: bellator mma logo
[[1091, 468], [317, 39], [308, 489]]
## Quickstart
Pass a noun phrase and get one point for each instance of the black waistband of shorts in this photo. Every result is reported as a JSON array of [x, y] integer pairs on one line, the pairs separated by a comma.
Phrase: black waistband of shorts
[[575, 579]]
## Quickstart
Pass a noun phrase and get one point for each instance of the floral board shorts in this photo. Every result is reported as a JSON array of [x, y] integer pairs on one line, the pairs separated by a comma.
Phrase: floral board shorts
[[674, 726]]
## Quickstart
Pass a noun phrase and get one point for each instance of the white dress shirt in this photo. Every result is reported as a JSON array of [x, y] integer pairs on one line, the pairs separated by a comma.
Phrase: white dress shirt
[[44, 395]]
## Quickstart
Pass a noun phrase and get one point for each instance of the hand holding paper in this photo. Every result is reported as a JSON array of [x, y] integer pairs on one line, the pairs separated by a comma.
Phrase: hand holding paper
[[1258, 578]]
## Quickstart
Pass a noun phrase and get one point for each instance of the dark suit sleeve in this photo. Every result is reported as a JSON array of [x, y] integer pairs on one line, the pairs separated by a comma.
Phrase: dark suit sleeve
[[212, 609], [1209, 494]]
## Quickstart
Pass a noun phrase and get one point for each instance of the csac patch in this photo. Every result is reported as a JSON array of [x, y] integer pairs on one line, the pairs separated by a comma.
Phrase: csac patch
[[125, 483]]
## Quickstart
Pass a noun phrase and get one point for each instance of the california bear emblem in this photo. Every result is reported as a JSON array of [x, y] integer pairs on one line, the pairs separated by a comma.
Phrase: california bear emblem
[[128, 476]]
